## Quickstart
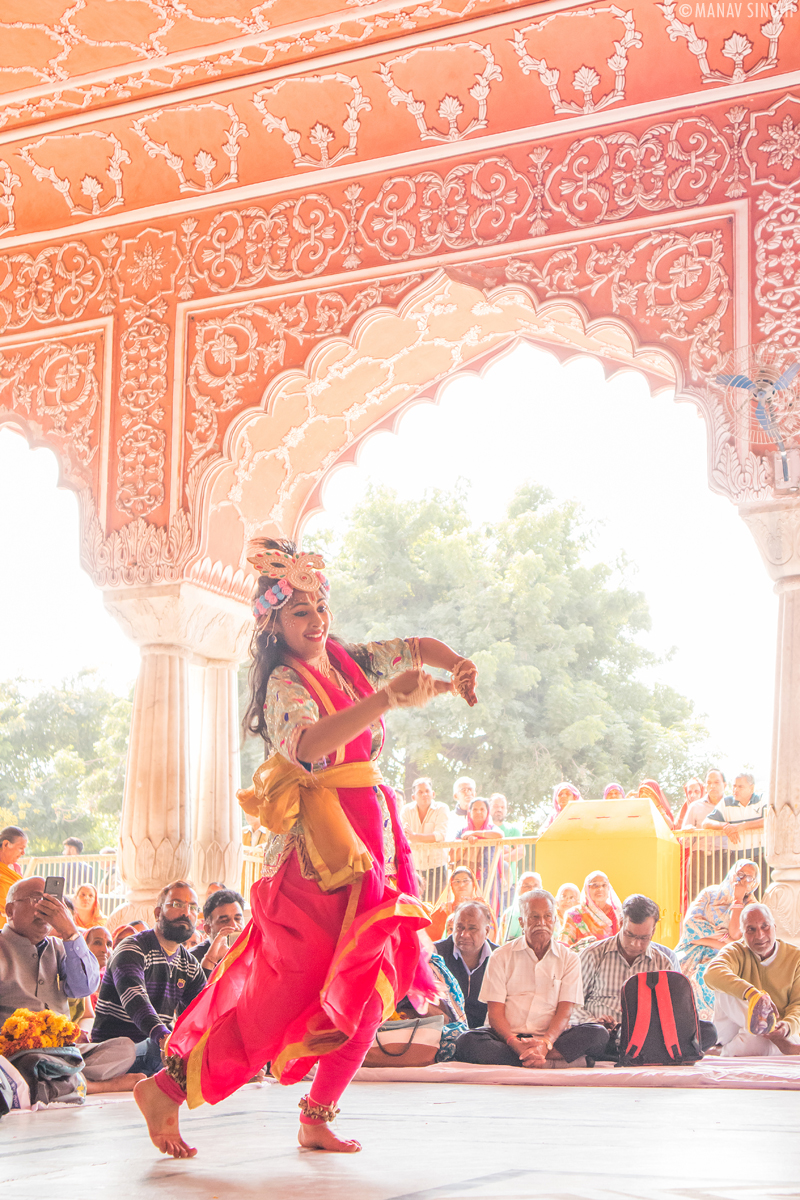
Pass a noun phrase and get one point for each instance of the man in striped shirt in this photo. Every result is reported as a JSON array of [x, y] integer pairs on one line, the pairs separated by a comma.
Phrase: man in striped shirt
[[150, 979], [607, 965]]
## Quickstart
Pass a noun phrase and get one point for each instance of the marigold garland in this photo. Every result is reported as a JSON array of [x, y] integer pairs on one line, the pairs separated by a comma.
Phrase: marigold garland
[[26, 1030]]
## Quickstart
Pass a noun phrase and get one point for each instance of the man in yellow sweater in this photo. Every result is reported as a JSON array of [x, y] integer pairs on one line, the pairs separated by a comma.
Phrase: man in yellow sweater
[[756, 983]]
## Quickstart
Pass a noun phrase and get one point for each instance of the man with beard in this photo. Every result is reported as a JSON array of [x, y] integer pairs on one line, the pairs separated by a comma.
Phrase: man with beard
[[150, 978]]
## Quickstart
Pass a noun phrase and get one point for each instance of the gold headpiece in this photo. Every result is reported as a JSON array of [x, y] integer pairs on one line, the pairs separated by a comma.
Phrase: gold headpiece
[[293, 572]]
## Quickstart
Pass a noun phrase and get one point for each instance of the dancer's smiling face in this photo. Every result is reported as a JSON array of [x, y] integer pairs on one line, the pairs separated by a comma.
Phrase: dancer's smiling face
[[304, 623]]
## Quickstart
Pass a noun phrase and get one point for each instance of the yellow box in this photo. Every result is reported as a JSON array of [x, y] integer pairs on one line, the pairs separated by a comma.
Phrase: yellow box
[[630, 841]]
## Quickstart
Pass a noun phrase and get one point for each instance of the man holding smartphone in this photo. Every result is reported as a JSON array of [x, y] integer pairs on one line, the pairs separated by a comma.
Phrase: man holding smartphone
[[44, 961]]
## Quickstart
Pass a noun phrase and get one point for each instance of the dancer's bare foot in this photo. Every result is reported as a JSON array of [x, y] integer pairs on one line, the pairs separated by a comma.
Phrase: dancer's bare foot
[[322, 1137], [161, 1115]]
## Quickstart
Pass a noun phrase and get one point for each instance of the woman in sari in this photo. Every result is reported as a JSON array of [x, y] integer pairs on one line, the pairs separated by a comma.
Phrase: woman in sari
[[597, 917], [510, 927], [462, 886], [13, 844], [485, 860], [614, 791], [563, 794], [650, 790], [87, 907], [333, 941], [711, 922]]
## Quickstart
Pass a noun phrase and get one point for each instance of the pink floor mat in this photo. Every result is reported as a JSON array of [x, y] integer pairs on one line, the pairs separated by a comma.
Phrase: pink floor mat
[[771, 1073]]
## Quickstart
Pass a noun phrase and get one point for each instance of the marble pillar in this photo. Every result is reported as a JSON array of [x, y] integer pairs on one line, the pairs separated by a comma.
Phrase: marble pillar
[[775, 525], [167, 832], [216, 816]]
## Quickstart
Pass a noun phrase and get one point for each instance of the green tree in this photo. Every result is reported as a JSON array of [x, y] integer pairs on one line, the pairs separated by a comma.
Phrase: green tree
[[557, 640], [62, 761]]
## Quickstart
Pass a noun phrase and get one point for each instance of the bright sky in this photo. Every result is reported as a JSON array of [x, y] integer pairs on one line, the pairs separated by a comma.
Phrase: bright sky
[[636, 464]]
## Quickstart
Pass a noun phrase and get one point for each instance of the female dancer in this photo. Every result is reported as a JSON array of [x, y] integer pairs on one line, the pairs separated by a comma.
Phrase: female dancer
[[333, 941]]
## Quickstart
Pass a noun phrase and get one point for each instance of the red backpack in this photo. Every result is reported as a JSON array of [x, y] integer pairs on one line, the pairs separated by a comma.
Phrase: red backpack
[[664, 1032]]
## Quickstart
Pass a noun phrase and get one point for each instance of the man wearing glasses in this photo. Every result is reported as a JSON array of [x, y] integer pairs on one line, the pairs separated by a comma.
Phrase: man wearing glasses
[[150, 978], [607, 965]]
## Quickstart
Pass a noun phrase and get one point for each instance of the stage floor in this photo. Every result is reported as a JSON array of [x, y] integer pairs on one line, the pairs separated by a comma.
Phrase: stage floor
[[424, 1142]]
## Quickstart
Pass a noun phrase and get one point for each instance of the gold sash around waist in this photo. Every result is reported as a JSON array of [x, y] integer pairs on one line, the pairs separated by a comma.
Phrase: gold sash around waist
[[282, 793]]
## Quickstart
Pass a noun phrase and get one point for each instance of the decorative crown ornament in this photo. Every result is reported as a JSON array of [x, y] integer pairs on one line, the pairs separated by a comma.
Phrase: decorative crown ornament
[[293, 572]]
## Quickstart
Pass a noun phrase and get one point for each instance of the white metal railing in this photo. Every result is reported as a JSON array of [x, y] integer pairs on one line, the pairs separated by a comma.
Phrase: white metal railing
[[98, 869], [497, 863], [708, 856]]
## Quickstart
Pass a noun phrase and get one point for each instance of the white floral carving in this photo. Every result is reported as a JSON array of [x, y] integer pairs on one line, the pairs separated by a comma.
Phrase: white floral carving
[[89, 186], [319, 135], [8, 183], [57, 284], [586, 79], [777, 242], [450, 108], [736, 47], [56, 387], [137, 554], [204, 161], [783, 145], [142, 389], [672, 280]]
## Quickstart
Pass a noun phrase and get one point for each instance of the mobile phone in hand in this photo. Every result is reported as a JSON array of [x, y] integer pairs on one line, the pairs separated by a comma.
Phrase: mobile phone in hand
[[54, 886]]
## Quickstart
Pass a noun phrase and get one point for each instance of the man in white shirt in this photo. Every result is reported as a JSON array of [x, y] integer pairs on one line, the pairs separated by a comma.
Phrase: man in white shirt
[[531, 986], [425, 821], [464, 792]]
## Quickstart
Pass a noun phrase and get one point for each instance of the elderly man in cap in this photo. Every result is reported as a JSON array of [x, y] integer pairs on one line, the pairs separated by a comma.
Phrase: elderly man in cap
[[756, 984]]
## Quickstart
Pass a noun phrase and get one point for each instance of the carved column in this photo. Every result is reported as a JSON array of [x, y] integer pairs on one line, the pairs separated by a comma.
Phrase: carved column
[[173, 624], [216, 816], [775, 525]]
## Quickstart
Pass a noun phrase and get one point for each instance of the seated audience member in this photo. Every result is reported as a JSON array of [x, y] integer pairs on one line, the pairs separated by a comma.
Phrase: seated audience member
[[598, 916], [44, 961], [464, 792], [563, 794], [13, 844], [607, 965], [711, 922], [614, 791], [150, 979], [449, 1003], [223, 921], [425, 822], [461, 886], [510, 927], [651, 790], [568, 896], [530, 987], [99, 942], [466, 954], [87, 907], [124, 931], [756, 985]]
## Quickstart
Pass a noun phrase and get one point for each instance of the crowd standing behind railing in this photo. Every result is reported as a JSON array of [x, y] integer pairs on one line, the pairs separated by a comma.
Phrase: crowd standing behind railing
[[476, 872]]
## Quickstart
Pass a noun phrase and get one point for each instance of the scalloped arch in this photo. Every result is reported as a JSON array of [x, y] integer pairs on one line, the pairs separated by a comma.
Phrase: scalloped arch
[[276, 458]]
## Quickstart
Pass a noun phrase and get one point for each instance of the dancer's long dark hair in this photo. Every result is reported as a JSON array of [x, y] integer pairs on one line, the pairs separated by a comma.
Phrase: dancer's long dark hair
[[265, 653]]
